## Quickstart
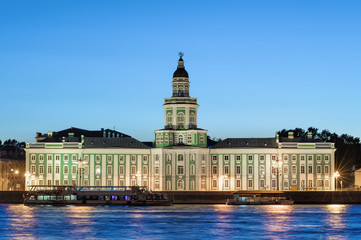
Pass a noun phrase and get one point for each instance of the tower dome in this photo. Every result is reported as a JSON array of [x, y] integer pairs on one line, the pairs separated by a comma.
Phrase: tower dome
[[180, 72]]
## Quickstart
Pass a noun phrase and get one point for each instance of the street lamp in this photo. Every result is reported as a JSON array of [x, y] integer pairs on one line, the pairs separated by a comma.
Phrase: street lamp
[[278, 165], [336, 175]]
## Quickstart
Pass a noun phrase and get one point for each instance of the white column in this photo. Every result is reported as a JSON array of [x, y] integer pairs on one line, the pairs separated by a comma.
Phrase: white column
[[104, 170], [127, 170], [115, 171], [232, 174], [268, 167], [256, 172], [244, 172]]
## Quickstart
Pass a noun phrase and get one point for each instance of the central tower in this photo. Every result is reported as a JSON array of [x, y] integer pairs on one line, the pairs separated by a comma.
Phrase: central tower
[[180, 114]]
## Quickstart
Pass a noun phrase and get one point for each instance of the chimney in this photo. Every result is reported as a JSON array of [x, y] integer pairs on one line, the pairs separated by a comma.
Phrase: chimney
[[38, 134], [309, 135], [277, 138], [290, 135]]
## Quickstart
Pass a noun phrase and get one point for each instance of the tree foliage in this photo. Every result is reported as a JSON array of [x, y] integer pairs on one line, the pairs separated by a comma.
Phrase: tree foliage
[[13, 142]]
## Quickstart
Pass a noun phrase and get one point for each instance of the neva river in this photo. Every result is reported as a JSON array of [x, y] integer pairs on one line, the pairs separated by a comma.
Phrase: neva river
[[181, 222]]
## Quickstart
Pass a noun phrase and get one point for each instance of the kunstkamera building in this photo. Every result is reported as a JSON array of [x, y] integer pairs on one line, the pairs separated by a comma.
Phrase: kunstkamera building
[[180, 158]]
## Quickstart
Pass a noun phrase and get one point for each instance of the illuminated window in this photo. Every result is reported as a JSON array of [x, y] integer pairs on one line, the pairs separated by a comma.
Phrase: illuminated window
[[145, 170], [250, 169], [66, 169], [180, 170], [121, 170], [33, 170], [238, 170], [226, 169], [261, 169], [214, 170], [41, 169]]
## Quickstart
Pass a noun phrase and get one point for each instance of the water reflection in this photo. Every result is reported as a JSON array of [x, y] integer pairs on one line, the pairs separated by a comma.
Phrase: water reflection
[[277, 220], [22, 218], [335, 220]]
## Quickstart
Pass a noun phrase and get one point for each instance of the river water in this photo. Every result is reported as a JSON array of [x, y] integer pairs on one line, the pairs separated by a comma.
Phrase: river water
[[181, 222]]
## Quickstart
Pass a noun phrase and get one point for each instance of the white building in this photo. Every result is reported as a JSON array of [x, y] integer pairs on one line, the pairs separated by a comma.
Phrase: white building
[[180, 158]]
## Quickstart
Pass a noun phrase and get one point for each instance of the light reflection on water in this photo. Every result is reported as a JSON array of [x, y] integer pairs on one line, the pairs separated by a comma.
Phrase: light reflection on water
[[181, 221]]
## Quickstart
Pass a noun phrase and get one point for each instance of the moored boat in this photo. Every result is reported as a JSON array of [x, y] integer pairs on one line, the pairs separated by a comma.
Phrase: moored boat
[[94, 195], [259, 199]]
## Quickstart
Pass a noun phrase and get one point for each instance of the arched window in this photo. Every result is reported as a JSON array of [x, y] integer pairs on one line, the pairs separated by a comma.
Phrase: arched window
[[180, 185], [193, 170], [168, 185], [168, 169], [192, 119], [193, 185], [180, 139], [180, 120], [169, 119], [180, 157]]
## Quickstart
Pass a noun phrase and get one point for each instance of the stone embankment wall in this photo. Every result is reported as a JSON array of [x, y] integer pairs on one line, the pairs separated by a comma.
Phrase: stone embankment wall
[[11, 196]]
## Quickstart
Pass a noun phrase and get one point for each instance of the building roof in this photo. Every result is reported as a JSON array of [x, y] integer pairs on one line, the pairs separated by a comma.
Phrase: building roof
[[99, 142], [77, 133], [180, 72], [298, 139], [247, 143]]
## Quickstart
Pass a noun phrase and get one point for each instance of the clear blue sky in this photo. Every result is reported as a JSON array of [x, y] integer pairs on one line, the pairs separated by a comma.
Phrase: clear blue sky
[[255, 66]]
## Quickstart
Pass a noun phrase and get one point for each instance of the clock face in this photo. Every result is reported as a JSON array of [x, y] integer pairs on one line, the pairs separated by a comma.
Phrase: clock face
[[181, 54]]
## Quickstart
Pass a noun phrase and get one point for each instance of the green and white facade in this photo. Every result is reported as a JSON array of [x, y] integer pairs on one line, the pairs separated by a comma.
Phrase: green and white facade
[[180, 158]]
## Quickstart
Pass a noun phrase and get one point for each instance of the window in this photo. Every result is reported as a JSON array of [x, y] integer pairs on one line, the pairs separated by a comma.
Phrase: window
[[226, 169], [168, 169], [169, 119], [214, 183], [86, 158], [180, 157], [57, 158], [203, 170], [285, 169], [50, 157], [41, 169], [86, 182], [156, 170], [294, 182], [66, 169], [326, 157], [318, 158], [121, 159], [226, 158], [250, 183], [145, 183], [285, 157], [201, 139], [109, 170], [250, 169], [121, 182], [302, 168], [50, 169], [133, 170], [226, 183], [86, 170], [169, 157], [327, 183], [121, 170], [192, 119], [66, 157], [41, 158], [273, 170], [285, 183], [192, 157], [109, 159], [203, 157], [157, 157], [294, 169], [214, 157], [203, 184], [109, 182], [261, 158], [49, 182], [133, 159], [57, 169], [261, 183], [74, 157], [250, 158], [145, 159], [180, 170], [33, 157], [73, 169], [310, 183], [273, 183], [294, 158], [214, 170], [238, 170], [57, 182], [180, 184], [97, 158], [33, 169], [310, 169], [180, 120], [261, 169], [97, 182], [273, 158], [73, 182], [327, 169], [238, 183], [303, 158], [133, 183], [66, 182], [318, 169], [238, 158], [193, 170], [97, 170], [189, 138], [319, 183], [145, 170], [180, 139], [310, 158]]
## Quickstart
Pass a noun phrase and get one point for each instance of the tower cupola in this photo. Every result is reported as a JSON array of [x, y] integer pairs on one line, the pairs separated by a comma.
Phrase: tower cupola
[[180, 72]]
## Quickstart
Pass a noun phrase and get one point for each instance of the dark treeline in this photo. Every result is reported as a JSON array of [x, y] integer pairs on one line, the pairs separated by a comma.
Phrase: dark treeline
[[12, 142], [348, 153]]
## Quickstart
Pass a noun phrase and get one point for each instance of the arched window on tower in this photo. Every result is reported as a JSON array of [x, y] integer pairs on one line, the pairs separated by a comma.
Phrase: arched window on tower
[[192, 120], [180, 139], [180, 92], [180, 120], [169, 119]]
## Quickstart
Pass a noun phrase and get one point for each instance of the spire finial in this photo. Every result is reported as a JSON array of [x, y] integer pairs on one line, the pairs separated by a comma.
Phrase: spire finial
[[181, 54]]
